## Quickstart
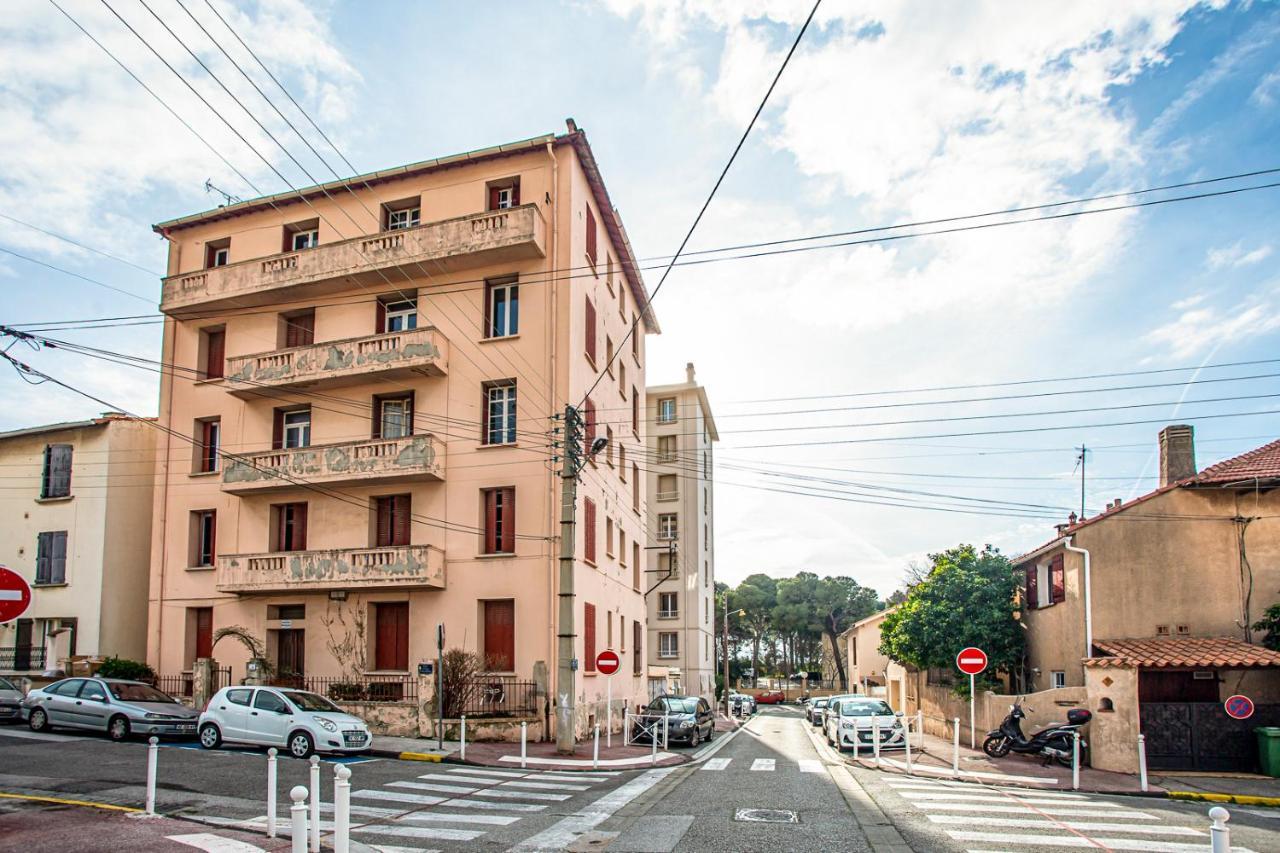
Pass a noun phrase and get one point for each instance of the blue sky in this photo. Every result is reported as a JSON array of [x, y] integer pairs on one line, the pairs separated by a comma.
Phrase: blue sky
[[889, 113]]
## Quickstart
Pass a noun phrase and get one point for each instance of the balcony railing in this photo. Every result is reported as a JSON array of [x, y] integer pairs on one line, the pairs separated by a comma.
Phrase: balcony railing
[[421, 351], [21, 658], [491, 237], [668, 496], [387, 460], [409, 566], [668, 614]]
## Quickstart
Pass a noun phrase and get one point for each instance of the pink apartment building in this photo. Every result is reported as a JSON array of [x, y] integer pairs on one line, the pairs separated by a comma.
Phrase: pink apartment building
[[362, 419]]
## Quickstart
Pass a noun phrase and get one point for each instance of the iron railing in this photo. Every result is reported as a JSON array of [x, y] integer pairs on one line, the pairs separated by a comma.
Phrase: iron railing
[[181, 685], [497, 696], [367, 688], [22, 658]]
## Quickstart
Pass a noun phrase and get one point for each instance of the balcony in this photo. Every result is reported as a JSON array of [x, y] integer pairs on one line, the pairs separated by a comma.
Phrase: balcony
[[480, 239], [669, 495], [414, 457], [334, 363], [408, 567]]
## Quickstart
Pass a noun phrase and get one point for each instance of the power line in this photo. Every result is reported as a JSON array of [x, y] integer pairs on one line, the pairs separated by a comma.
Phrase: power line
[[78, 244]]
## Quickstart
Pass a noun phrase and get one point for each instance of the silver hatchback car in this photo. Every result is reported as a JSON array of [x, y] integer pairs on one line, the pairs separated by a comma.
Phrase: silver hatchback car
[[119, 708]]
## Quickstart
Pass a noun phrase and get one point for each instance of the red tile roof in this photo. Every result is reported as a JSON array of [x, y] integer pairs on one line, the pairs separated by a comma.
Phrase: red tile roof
[[1198, 652], [1262, 463]]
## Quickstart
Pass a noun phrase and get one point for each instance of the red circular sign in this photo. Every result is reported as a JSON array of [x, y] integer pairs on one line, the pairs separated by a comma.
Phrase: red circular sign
[[971, 661], [607, 662], [1240, 707], [15, 595]]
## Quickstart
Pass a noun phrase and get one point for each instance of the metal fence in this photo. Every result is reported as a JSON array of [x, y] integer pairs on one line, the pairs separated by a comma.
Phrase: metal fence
[[369, 688], [22, 658], [498, 696], [181, 685]]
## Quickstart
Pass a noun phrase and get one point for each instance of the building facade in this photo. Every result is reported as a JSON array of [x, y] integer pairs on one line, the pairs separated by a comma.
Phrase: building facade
[[75, 511], [864, 663], [369, 391], [681, 568]]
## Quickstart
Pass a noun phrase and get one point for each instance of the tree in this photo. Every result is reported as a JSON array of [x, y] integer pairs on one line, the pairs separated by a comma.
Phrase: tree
[[1270, 622], [839, 602], [756, 595], [967, 599]]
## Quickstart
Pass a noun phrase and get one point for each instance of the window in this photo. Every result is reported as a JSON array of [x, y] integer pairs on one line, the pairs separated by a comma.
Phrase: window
[[706, 464], [208, 439], [635, 412], [500, 635], [668, 644], [289, 531], [622, 632], [500, 412], [608, 272], [499, 521], [396, 314], [668, 606], [298, 329], [204, 538], [668, 490], [1057, 581], [291, 428], [265, 700], [608, 448], [591, 236], [55, 479], [588, 427], [667, 410], [622, 545], [391, 636], [405, 213], [590, 321], [215, 353], [217, 253], [51, 557], [622, 301], [635, 566], [637, 637], [608, 536], [502, 309], [392, 517], [393, 415], [666, 566], [635, 487], [608, 354], [589, 636], [622, 380], [668, 527], [239, 697], [504, 195], [635, 339], [304, 240], [1057, 678], [589, 530]]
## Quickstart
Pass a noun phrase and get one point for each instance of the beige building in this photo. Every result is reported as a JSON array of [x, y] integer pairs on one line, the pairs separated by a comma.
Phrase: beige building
[[368, 405], [864, 664], [75, 515]]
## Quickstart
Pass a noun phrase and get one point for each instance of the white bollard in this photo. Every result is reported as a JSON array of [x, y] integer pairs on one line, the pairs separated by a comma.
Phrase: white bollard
[[1219, 833], [298, 813], [653, 743], [626, 727], [524, 741], [920, 728], [341, 810], [875, 740], [1075, 760], [315, 804], [955, 747], [595, 750], [666, 731], [153, 754], [906, 741], [1142, 761], [462, 752], [271, 792]]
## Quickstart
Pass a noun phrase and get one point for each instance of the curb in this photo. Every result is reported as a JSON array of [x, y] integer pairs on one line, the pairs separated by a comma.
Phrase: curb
[[405, 756], [1236, 799]]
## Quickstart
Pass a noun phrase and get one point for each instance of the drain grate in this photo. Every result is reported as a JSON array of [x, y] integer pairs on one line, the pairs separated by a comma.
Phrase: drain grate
[[766, 816]]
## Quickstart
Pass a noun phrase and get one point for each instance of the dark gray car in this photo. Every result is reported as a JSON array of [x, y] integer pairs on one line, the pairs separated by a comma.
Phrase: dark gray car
[[119, 708], [688, 718], [10, 702]]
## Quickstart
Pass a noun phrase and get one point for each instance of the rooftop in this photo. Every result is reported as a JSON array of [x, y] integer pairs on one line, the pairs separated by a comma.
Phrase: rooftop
[[1183, 652]]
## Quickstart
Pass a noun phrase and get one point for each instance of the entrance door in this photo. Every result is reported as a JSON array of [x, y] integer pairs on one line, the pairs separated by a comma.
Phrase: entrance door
[[290, 655], [22, 646], [499, 635], [391, 637], [204, 632]]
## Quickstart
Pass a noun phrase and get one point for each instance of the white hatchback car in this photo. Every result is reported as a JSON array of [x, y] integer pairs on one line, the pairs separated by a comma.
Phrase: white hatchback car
[[297, 720], [851, 723]]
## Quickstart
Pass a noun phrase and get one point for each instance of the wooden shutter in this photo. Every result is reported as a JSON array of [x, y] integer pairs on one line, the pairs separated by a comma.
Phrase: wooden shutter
[[204, 632], [300, 329], [589, 637], [590, 320], [637, 635], [591, 235], [400, 515], [44, 557], [381, 323], [515, 195], [589, 423], [212, 515], [391, 636], [208, 452], [635, 410], [58, 573], [499, 635], [277, 429], [1057, 580], [1033, 594], [57, 471], [383, 523], [493, 197], [215, 354], [300, 526], [589, 529], [508, 521], [491, 521]]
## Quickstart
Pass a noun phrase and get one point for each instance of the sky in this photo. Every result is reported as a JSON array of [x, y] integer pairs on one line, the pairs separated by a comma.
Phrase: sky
[[889, 113]]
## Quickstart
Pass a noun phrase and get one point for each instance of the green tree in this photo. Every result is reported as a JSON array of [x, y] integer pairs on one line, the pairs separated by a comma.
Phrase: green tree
[[967, 599], [757, 595], [838, 603], [1270, 622]]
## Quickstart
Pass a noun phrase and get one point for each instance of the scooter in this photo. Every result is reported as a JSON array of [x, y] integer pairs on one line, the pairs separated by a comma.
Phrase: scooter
[[1054, 742]]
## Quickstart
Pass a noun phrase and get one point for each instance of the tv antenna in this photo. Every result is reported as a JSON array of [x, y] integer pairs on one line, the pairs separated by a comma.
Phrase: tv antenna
[[227, 197]]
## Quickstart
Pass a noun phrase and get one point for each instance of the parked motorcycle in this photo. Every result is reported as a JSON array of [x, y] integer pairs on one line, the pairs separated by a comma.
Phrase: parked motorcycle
[[1053, 742]]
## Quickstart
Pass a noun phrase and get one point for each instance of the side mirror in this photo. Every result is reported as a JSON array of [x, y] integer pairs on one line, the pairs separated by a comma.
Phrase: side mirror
[[897, 713]]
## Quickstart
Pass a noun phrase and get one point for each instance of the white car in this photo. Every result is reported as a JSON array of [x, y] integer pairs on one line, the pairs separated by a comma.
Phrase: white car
[[851, 723], [297, 720]]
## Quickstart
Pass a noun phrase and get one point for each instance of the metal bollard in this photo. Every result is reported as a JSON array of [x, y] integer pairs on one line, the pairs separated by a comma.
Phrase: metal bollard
[[271, 792], [1219, 833], [666, 732], [153, 755], [298, 813], [341, 810], [315, 804], [906, 741], [524, 740], [920, 727], [595, 750], [1142, 761], [462, 752], [875, 739], [955, 746], [653, 743], [626, 727], [1075, 760]]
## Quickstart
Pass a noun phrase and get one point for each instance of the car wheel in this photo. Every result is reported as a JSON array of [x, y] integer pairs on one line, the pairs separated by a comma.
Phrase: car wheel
[[118, 728], [695, 738], [210, 737], [39, 721], [300, 745]]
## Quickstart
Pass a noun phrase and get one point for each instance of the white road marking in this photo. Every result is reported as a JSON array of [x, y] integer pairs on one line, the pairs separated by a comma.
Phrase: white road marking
[[966, 774], [573, 774], [446, 817], [1082, 825], [9, 731], [634, 763], [764, 764], [811, 765], [440, 777], [397, 797], [427, 786], [214, 843], [391, 848], [566, 830], [545, 786], [716, 763], [996, 798], [442, 833], [523, 795], [985, 789], [1055, 810], [475, 771], [463, 803], [1145, 845]]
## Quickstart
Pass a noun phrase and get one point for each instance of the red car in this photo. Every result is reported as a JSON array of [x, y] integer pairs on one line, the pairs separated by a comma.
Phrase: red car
[[771, 697]]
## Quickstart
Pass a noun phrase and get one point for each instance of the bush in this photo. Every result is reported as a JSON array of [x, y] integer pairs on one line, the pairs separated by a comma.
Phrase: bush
[[132, 670]]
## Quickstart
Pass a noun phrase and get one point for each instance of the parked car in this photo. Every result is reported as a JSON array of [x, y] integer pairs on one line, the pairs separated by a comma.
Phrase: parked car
[[112, 705], [688, 718], [816, 709], [851, 723], [771, 697], [300, 721], [10, 702]]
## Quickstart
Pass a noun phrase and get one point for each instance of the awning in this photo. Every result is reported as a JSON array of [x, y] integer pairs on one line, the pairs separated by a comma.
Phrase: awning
[[1183, 653]]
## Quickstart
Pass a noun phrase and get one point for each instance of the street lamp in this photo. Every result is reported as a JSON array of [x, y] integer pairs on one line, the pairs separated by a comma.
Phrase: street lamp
[[728, 712]]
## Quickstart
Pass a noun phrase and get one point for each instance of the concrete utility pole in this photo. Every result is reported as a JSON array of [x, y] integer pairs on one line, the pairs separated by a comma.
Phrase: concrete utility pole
[[571, 464]]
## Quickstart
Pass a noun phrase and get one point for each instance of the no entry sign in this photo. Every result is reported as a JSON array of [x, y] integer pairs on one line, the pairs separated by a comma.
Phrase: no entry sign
[[1240, 707], [607, 662], [15, 595], [971, 661]]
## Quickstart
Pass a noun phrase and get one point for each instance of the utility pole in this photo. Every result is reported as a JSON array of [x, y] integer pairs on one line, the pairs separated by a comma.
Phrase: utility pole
[[728, 711], [567, 664], [1083, 452]]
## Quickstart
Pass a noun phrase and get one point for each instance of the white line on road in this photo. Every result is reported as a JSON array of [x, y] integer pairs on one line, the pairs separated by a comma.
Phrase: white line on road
[[475, 771], [523, 795], [1146, 845], [214, 843], [545, 786], [567, 830], [961, 797], [397, 797], [764, 764], [1083, 825], [716, 763], [446, 817], [630, 763], [962, 787], [442, 833], [464, 803], [429, 786], [470, 780], [1055, 810], [811, 765]]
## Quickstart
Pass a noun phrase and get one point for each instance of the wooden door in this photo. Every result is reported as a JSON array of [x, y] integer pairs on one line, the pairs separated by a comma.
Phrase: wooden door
[[22, 646], [500, 635], [204, 632], [290, 652], [391, 636]]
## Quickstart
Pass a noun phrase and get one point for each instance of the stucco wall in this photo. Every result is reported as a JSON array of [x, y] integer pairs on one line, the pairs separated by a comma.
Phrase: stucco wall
[[1113, 731]]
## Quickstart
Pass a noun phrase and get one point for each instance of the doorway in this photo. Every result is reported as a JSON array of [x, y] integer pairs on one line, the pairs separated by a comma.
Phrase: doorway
[[290, 655]]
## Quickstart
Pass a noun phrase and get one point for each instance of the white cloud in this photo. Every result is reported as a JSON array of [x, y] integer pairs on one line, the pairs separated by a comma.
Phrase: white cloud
[[1236, 255], [1201, 329]]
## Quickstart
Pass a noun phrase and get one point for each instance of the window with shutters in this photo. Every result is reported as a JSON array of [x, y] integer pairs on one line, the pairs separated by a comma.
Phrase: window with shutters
[[667, 410], [635, 487], [1033, 586], [217, 253], [635, 566], [208, 440], [289, 527], [589, 319], [622, 380], [588, 637], [588, 428], [301, 235], [502, 308], [622, 545], [499, 520], [499, 635], [55, 477], [666, 448], [589, 530], [405, 213], [608, 355], [200, 622], [622, 462], [392, 516], [608, 536], [297, 329], [668, 644], [608, 448], [503, 194], [214, 346], [635, 411], [635, 339], [397, 314], [391, 636], [637, 657], [204, 539], [591, 236], [393, 415], [291, 428], [1058, 679], [668, 488], [1057, 580], [500, 412], [51, 558], [668, 526], [668, 605]]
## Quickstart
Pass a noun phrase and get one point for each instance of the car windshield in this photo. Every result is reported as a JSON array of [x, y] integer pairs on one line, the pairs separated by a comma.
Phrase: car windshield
[[681, 706], [865, 709], [821, 703], [138, 693], [6, 684], [311, 702]]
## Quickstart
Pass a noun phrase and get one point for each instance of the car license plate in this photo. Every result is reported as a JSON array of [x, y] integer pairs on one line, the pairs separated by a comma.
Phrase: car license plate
[[187, 727]]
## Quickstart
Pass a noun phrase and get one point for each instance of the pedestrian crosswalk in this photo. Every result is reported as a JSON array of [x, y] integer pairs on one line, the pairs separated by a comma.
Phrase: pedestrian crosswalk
[[991, 819], [765, 765]]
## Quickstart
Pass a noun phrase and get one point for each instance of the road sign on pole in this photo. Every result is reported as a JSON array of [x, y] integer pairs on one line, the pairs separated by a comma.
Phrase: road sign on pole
[[15, 595], [607, 663], [1239, 707], [971, 661]]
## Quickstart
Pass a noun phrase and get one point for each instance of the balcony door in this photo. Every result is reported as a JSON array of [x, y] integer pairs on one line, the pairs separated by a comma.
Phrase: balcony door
[[391, 636], [499, 635]]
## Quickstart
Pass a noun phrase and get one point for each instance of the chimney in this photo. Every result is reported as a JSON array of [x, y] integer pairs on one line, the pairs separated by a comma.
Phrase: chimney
[[688, 372], [1177, 453], [1072, 519]]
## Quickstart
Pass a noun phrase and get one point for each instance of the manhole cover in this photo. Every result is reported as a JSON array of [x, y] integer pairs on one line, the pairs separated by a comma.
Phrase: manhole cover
[[766, 816]]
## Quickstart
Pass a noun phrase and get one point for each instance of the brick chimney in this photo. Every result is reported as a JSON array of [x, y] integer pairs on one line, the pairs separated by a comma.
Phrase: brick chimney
[[1177, 453], [688, 372]]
